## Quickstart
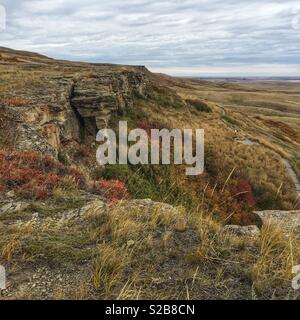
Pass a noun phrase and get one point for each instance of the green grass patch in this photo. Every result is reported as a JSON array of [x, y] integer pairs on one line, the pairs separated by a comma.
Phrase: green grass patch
[[199, 105]]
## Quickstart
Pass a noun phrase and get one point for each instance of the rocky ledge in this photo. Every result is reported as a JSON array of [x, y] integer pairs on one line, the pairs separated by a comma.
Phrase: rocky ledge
[[288, 221]]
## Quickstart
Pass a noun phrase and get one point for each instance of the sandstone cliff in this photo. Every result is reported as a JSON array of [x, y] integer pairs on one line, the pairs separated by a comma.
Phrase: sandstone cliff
[[60, 102]]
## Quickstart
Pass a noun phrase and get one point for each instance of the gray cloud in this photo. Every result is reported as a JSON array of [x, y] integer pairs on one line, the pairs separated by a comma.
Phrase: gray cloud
[[168, 35]]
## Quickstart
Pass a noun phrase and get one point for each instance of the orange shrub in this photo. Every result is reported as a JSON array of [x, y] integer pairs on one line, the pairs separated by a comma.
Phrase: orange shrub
[[113, 190], [18, 102], [33, 176]]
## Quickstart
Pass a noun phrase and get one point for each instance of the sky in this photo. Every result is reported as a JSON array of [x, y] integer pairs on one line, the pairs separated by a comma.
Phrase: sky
[[177, 37]]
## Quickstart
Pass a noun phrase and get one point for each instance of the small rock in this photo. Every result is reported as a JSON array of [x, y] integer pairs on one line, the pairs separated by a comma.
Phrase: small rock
[[248, 231]]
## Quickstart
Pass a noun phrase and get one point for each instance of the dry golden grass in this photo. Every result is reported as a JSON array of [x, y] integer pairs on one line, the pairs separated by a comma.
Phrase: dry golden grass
[[109, 266], [278, 254], [262, 163], [10, 248], [152, 251]]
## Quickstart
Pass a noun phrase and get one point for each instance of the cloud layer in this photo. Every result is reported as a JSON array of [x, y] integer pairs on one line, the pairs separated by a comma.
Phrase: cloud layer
[[185, 37]]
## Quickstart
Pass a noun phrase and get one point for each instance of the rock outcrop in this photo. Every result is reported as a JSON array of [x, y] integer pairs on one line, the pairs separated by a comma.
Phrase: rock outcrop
[[69, 101], [288, 221], [95, 96]]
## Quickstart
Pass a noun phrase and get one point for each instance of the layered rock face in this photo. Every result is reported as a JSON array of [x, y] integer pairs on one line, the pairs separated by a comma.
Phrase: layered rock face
[[96, 96], [73, 103]]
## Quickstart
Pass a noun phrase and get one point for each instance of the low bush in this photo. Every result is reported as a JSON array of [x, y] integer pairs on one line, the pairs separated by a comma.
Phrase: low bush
[[112, 190], [33, 176], [199, 105], [166, 98]]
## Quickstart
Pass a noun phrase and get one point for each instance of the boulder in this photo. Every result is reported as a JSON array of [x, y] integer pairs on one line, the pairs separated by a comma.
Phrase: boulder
[[288, 221]]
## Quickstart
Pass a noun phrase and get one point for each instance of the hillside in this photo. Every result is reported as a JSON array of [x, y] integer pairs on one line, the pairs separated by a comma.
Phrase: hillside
[[148, 231]]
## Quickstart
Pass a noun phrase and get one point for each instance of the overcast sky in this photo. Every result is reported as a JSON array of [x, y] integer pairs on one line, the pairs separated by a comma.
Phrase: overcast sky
[[180, 37]]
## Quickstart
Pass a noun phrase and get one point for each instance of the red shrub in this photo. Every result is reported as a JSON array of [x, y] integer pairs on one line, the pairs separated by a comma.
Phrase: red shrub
[[32, 175], [18, 102], [244, 192], [113, 190]]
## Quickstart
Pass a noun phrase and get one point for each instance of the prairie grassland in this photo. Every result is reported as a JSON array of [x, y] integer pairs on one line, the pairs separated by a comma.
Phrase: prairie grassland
[[227, 111], [144, 250], [261, 164], [273, 124], [137, 249]]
